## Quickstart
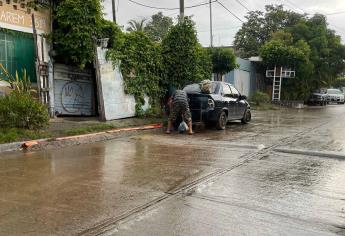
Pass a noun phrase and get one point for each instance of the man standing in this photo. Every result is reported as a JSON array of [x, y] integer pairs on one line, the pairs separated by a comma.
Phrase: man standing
[[178, 104]]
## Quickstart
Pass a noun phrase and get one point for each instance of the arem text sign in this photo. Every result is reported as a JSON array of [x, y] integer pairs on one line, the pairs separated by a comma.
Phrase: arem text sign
[[21, 19]]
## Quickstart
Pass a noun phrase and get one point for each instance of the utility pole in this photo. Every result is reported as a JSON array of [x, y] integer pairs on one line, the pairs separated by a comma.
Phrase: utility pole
[[211, 27], [114, 11], [181, 10]]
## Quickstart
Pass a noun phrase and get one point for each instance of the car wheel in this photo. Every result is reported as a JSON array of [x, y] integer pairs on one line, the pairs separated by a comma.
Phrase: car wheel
[[222, 120], [247, 117]]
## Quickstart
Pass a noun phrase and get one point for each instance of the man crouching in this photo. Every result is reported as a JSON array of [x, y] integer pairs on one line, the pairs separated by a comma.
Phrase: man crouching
[[178, 104]]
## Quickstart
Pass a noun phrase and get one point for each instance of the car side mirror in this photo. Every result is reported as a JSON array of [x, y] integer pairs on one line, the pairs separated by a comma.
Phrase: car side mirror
[[242, 97]]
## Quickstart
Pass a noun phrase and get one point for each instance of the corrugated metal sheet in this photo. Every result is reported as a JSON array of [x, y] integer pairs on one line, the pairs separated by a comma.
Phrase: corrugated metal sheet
[[243, 78], [73, 91]]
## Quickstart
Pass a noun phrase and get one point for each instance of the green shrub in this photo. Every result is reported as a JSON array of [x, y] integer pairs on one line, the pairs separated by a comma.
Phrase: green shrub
[[259, 98], [21, 110]]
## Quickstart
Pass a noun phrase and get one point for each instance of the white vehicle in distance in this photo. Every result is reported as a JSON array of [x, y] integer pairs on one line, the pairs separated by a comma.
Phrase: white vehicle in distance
[[335, 95]]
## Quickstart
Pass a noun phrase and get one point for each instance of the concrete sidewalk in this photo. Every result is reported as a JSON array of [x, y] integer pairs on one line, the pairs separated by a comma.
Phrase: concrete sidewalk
[[70, 131]]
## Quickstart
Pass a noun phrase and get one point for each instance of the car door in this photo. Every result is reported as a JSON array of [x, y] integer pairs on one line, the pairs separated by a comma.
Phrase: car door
[[230, 101], [240, 104]]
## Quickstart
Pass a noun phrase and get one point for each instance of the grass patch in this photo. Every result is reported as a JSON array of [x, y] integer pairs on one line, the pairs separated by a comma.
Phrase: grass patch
[[8, 135], [88, 129]]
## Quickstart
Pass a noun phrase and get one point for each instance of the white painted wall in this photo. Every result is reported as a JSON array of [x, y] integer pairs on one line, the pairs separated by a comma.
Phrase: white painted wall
[[117, 104]]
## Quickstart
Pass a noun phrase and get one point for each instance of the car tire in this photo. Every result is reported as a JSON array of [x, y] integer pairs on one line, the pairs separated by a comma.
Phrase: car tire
[[247, 117], [222, 121]]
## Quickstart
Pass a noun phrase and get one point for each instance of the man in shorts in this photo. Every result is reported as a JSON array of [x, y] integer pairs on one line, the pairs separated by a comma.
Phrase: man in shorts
[[178, 104]]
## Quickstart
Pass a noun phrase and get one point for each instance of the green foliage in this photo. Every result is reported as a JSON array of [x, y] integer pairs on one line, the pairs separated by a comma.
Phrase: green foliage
[[77, 23], [338, 82], [141, 62], [19, 84], [88, 129], [110, 30], [304, 43], [21, 110], [8, 135], [223, 60], [276, 52], [140, 66], [180, 54], [204, 64], [158, 27], [136, 25], [259, 98], [260, 26]]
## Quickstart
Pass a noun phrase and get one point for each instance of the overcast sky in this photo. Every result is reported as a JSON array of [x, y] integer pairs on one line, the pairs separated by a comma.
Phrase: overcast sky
[[225, 25]]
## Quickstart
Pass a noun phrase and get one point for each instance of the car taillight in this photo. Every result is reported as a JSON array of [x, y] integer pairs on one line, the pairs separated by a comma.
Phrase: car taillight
[[211, 103]]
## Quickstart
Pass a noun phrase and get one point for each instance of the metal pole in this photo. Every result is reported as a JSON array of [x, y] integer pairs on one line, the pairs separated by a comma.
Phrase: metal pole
[[37, 59], [181, 10], [114, 11], [211, 27]]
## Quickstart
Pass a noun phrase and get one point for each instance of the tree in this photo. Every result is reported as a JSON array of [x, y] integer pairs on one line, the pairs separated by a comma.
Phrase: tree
[[327, 52], [289, 39], [76, 24], [204, 64], [277, 53], [158, 27], [296, 56], [180, 54], [223, 61], [260, 26], [140, 60], [136, 25]]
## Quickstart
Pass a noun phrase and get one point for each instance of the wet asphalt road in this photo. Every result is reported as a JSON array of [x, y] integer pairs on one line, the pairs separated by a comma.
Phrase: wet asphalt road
[[233, 182]]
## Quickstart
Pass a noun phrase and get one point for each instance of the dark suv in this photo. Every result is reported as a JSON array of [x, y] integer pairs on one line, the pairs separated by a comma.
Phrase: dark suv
[[223, 103]]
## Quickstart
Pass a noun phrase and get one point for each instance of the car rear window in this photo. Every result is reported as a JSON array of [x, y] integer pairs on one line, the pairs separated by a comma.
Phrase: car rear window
[[333, 91], [192, 88], [196, 88]]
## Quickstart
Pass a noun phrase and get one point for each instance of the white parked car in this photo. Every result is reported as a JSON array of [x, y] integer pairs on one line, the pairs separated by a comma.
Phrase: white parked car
[[335, 95]]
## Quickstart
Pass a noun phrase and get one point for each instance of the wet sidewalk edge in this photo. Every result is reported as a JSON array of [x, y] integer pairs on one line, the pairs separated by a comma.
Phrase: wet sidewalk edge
[[32, 145]]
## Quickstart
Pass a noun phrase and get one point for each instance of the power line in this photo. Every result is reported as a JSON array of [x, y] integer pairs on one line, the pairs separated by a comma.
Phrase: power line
[[171, 8], [305, 12], [297, 7], [233, 14], [220, 29], [239, 2]]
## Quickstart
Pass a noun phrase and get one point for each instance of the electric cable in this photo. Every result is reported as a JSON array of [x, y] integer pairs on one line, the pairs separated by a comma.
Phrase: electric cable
[[239, 2], [233, 14], [172, 8], [305, 12]]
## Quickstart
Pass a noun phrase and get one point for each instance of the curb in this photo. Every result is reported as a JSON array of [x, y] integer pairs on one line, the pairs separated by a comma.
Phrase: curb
[[330, 154], [7, 147], [31, 144]]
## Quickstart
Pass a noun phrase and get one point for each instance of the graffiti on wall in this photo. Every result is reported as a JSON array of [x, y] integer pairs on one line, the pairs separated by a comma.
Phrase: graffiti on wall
[[72, 97]]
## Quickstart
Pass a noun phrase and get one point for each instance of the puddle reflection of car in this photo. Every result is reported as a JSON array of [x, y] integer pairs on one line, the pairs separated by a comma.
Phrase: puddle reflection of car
[[318, 98], [223, 103], [335, 96]]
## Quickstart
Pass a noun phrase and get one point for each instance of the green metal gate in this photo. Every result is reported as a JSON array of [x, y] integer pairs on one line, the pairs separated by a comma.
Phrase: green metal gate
[[17, 52]]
